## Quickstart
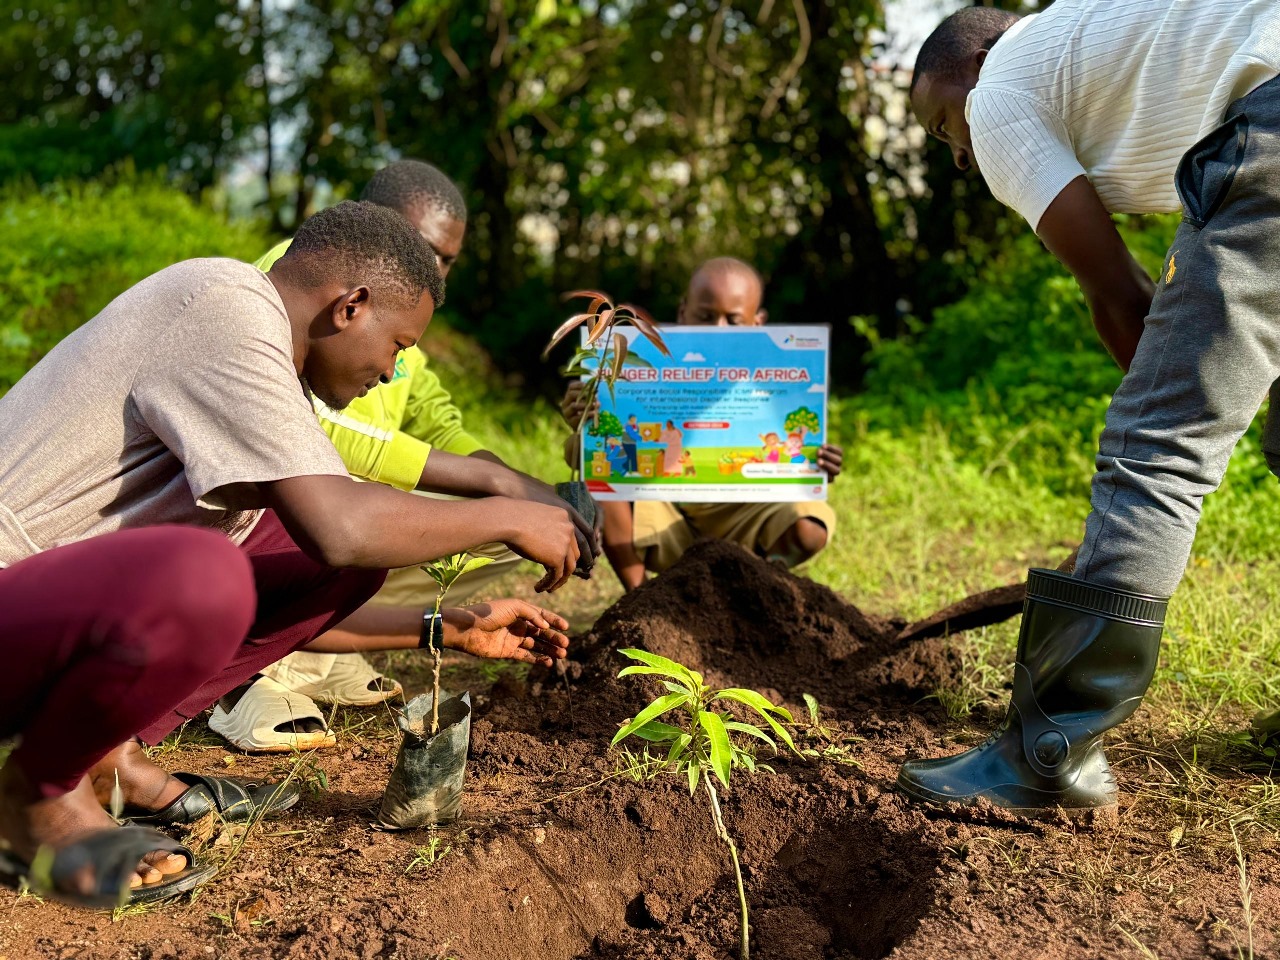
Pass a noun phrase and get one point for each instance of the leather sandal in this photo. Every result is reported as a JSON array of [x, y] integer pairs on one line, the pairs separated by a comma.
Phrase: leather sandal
[[112, 857], [234, 800]]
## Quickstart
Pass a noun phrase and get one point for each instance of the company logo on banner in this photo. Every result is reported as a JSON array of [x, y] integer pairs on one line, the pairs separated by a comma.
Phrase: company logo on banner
[[796, 341]]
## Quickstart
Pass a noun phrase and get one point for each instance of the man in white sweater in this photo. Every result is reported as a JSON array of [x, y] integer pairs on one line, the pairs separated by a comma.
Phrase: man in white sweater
[[1091, 108]]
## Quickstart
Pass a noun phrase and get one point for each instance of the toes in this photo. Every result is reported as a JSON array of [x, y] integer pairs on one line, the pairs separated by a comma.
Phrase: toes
[[160, 864], [170, 864]]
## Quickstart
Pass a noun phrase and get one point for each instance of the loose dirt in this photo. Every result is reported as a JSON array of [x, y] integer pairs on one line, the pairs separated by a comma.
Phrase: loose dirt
[[561, 855]]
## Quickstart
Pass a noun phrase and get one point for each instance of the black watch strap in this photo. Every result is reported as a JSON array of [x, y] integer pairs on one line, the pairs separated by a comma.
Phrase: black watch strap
[[425, 637]]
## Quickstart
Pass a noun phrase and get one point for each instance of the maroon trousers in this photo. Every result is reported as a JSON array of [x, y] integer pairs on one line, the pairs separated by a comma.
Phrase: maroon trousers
[[133, 633]]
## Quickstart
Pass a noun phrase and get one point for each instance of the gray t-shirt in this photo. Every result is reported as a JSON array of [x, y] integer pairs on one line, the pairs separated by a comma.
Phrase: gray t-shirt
[[167, 407]]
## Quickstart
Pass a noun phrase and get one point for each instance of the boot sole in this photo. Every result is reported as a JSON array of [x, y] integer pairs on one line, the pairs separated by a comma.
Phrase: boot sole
[[978, 802]]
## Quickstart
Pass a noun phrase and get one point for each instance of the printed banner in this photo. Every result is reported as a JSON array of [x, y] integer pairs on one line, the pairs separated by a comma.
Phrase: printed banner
[[734, 415]]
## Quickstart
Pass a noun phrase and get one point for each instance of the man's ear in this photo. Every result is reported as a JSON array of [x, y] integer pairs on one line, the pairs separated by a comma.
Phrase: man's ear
[[762, 317], [348, 306], [980, 58]]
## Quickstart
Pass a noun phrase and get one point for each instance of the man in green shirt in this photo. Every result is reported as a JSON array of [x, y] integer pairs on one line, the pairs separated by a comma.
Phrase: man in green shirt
[[409, 434]]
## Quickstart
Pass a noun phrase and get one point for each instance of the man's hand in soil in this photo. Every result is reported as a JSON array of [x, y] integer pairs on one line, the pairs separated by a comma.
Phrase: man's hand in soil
[[506, 630], [830, 460]]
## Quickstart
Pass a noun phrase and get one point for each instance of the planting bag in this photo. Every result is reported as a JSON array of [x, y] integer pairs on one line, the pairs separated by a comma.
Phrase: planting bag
[[574, 493], [426, 785]]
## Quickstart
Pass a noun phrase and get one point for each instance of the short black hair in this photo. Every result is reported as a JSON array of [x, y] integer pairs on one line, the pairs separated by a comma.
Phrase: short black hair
[[412, 187], [727, 266], [364, 243], [948, 51]]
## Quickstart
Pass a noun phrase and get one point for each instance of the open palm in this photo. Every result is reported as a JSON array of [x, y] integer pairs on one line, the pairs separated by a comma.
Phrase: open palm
[[509, 630]]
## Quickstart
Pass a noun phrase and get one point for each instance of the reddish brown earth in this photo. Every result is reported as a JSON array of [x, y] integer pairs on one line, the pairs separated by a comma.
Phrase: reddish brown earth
[[559, 857]]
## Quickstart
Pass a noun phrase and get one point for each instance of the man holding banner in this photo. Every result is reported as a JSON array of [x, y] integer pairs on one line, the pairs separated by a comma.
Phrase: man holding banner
[[795, 524]]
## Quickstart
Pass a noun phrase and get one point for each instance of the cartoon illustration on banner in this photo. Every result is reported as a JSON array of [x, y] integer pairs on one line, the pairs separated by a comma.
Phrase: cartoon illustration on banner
[[734, 414]]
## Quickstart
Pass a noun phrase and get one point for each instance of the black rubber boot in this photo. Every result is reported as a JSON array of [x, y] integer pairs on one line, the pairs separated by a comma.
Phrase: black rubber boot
[[1086, 655]]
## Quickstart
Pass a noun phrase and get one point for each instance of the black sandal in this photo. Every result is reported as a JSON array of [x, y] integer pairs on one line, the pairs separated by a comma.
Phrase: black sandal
[[113, 856], [236, 801]]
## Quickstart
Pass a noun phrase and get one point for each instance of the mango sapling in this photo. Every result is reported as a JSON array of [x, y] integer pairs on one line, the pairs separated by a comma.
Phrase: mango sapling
[[426, 785], [600, 360], [703, 748]]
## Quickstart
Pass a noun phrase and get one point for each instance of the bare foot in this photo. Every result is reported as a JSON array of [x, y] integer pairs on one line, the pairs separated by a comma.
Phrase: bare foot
[[28, 822], [143, 784]]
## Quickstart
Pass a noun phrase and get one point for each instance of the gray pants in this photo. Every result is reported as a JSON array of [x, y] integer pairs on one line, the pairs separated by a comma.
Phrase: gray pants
[[1208, 355]]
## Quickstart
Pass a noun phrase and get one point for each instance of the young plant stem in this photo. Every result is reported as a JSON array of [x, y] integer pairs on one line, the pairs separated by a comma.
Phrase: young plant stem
[[437, 658], [745, 943]]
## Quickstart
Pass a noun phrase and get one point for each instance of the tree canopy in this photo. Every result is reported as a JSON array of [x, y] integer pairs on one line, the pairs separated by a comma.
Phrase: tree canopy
[[612, 144]]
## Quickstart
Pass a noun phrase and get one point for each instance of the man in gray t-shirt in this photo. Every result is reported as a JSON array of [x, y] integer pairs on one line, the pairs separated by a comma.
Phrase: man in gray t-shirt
[[173, 519]]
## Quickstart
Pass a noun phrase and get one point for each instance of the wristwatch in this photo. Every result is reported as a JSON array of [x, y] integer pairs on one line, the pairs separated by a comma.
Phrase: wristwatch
[[425, 637]]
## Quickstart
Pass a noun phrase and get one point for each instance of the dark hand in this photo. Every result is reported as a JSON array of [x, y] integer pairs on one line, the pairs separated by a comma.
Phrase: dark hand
[[525, 487], [573, 404], [545, 535], [830, 460], [507, 630]]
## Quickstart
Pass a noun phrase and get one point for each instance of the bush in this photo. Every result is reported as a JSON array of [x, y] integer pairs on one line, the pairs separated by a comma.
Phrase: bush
[[1015, 377], [70, 248]]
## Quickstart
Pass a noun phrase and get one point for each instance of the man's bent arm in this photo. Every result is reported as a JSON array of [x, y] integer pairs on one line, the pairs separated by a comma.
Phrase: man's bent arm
[[343, 523], [473, 475], [1078, 231]]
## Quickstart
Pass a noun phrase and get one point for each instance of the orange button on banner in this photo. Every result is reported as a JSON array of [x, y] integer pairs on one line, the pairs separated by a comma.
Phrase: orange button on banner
[[705, 425]]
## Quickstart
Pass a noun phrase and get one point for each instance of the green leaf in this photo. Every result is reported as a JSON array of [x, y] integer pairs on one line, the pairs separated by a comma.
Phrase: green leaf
[[657, 732], [718, 737], [672, 669], [651, 712], [694, 770], [753, 700], [811, 702], [750, 730], [582, 355], [635, 360], [678, 747], [475, 563], [750, 701]]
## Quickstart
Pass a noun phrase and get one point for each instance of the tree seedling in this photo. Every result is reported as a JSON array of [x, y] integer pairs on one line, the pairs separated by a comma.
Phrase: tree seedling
[[603, 357], [702, 747], [445, 573]]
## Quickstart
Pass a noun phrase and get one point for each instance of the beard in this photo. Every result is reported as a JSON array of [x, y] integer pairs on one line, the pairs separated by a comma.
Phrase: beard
[[328, 399]]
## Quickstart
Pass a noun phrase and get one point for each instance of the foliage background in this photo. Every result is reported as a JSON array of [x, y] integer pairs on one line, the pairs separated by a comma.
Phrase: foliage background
[[609, 143]]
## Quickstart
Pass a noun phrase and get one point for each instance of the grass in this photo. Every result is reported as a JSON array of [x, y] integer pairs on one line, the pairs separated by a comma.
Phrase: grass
[[428, 854]]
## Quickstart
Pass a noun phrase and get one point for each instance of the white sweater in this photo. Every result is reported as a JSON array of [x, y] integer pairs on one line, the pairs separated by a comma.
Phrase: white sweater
[[1117, 90]]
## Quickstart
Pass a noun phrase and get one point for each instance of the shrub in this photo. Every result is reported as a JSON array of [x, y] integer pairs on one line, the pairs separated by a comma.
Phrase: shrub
[[70, 248]]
